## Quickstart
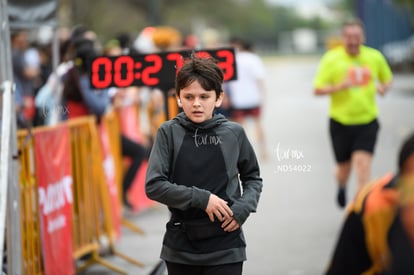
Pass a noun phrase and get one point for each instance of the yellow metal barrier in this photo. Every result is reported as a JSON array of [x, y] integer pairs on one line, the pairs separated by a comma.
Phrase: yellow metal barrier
[[173, 109], [30, 223], [111, 121], [92, 214], [91, 208]]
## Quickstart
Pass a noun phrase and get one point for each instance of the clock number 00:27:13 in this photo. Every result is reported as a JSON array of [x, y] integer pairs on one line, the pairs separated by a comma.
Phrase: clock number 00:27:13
[[112, 68]]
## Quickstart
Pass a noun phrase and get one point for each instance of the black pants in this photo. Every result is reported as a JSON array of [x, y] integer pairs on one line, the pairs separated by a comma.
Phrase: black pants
[[137, 153], [224, 269]]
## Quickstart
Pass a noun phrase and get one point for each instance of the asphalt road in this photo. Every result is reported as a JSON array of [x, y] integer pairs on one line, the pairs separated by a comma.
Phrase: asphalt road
[[295, 227]]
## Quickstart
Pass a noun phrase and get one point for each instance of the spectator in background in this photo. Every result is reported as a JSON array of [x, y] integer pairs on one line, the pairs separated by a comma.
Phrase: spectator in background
[[352, 75], [113, 48], [81, 100], [45, 65], [49, 97], [246, 94], [124, 40], [26, 71]]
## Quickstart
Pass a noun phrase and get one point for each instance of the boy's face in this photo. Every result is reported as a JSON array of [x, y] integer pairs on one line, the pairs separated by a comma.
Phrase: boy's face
[[197, 103]]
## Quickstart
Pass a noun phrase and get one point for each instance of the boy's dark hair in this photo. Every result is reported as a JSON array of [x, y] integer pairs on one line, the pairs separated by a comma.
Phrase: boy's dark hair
[[204, 70], [406, 151]]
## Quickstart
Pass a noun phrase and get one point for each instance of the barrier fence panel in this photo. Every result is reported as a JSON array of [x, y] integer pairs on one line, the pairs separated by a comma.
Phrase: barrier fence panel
[[110, 122], [93, 219], [88, 214], [54, 183], [173, 109], [110, 193], [30, 226], [94, 223], [85, 208]]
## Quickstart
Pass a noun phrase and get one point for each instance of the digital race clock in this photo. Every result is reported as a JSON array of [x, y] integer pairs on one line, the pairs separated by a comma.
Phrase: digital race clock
[[153, 70]]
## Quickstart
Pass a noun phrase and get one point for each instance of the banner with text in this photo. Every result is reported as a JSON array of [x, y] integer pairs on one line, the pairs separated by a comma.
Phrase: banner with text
[[53, 173]]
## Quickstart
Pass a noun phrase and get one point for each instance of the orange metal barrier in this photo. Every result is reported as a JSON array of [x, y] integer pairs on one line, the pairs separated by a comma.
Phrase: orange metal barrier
[[90, 220], [173, 109], [91, 209], [92, 166], [85, 180], [30, 224], [111, 121]]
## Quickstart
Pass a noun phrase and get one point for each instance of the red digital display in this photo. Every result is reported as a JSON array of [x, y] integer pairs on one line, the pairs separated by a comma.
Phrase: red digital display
[[153, 70]]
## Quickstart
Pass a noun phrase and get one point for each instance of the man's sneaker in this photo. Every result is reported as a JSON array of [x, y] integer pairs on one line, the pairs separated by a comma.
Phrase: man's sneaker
[[341, 197]]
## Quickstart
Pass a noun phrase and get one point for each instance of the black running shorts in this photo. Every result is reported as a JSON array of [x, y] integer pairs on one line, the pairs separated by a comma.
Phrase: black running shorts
[[347, 139]]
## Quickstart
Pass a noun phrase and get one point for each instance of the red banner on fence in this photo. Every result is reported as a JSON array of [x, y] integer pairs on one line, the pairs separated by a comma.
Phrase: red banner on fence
[[53, 173]]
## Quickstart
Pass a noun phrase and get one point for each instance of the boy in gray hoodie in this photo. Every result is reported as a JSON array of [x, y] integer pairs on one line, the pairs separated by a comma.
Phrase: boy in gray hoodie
[[203, 167]]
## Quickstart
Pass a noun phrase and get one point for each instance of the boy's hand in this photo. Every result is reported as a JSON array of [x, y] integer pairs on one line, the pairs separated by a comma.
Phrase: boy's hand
[[219, 208], [230, 225]]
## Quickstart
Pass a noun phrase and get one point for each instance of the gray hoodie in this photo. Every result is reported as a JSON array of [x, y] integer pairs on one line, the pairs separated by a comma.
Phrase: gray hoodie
[[190, 161]]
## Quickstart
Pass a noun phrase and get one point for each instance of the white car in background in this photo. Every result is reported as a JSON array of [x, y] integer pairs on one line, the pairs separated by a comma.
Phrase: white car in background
[[400, 54]]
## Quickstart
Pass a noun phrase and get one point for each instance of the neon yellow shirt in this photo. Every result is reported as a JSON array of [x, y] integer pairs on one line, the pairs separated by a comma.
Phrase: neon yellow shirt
[[355, 105]]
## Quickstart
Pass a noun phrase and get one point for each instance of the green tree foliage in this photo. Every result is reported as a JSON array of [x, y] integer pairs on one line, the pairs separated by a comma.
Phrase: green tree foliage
[[406, 3], [409, 5], [348, 6], [255, 19]]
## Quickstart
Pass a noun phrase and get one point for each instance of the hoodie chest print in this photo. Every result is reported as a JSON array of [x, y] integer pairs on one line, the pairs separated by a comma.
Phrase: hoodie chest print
[[205, 139]]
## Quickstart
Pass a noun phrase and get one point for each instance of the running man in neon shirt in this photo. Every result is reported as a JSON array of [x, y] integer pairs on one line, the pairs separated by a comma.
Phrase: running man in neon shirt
[[352, 74]]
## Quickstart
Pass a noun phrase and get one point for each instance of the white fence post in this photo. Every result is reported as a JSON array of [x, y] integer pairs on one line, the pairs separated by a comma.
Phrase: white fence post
[[9, 178]]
